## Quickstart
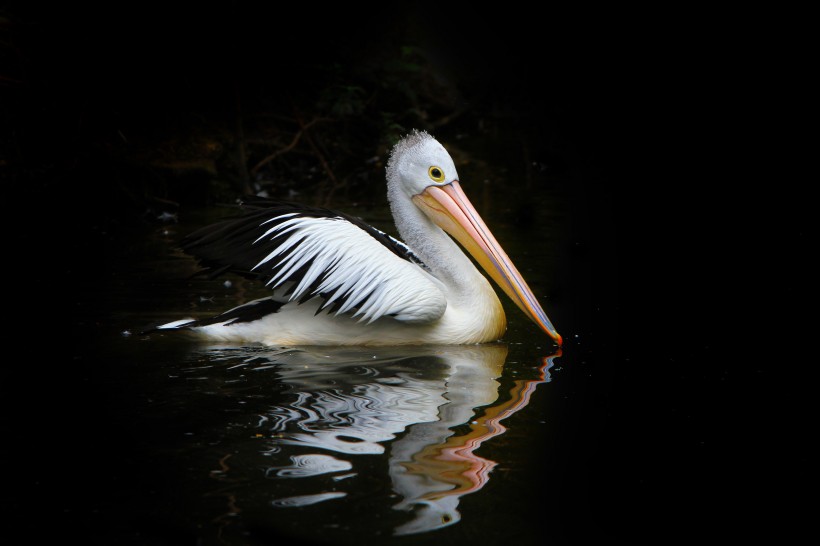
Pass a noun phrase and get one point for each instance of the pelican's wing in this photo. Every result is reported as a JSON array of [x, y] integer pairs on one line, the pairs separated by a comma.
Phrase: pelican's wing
[[320, 253]]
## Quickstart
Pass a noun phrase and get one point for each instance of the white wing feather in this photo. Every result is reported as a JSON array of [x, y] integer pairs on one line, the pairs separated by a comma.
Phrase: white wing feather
[[356, 268]]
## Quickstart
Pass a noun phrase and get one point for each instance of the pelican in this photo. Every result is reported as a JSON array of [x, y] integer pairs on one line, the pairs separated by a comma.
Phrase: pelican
[[338, 281]]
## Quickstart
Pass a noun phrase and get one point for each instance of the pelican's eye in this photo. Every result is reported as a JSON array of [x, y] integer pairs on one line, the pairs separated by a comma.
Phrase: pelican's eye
[[436, 174]]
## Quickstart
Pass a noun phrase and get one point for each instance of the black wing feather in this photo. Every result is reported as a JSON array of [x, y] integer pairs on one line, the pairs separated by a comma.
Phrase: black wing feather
[[228, 244], [248, 312]]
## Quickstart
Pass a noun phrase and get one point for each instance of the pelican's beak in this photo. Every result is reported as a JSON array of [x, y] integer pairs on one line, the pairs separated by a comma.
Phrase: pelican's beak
[[449, 208]]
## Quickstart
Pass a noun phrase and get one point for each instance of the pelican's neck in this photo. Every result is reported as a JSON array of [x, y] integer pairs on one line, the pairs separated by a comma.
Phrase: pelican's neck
[[434, 247]]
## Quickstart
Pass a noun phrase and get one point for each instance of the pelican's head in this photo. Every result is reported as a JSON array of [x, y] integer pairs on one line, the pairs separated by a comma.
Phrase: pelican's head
[[419, 161], [422, 170]]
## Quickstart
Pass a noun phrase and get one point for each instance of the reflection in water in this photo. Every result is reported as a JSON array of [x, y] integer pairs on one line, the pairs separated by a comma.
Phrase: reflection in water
[[425, 409], [310, 465], [304, 500]]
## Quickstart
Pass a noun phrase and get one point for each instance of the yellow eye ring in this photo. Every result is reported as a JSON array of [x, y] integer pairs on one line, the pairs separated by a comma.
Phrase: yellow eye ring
[[436, 174]]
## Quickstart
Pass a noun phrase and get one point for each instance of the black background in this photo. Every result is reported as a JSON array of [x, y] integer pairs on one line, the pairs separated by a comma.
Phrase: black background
[[672, 112]]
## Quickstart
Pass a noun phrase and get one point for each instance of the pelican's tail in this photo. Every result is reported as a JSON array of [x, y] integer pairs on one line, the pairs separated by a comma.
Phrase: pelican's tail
[[247, 312]]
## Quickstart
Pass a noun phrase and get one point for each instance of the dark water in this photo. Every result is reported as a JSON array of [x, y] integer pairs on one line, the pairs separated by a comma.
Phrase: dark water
[[336, 446], [160, 439], [632, 434]]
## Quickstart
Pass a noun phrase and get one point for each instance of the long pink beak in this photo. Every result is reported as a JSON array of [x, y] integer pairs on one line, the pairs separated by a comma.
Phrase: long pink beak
[[449, 208]]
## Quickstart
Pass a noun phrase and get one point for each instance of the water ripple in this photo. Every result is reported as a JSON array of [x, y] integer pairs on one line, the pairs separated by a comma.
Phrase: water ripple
[[305, 500], [309, 465], [420, 412]]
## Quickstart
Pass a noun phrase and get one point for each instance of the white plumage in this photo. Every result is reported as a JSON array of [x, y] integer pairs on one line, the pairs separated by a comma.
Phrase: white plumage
[[372, 280]]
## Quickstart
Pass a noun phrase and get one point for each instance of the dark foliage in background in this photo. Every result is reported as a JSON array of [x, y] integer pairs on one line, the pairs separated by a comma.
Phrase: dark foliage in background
[[202, 107]]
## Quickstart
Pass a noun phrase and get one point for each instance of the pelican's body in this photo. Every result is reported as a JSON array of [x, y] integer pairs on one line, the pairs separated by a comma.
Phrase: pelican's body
[[473, 314], [337, 281]]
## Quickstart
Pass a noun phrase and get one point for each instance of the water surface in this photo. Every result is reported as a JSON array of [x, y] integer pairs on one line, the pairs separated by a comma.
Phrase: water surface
[[164, 440]]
